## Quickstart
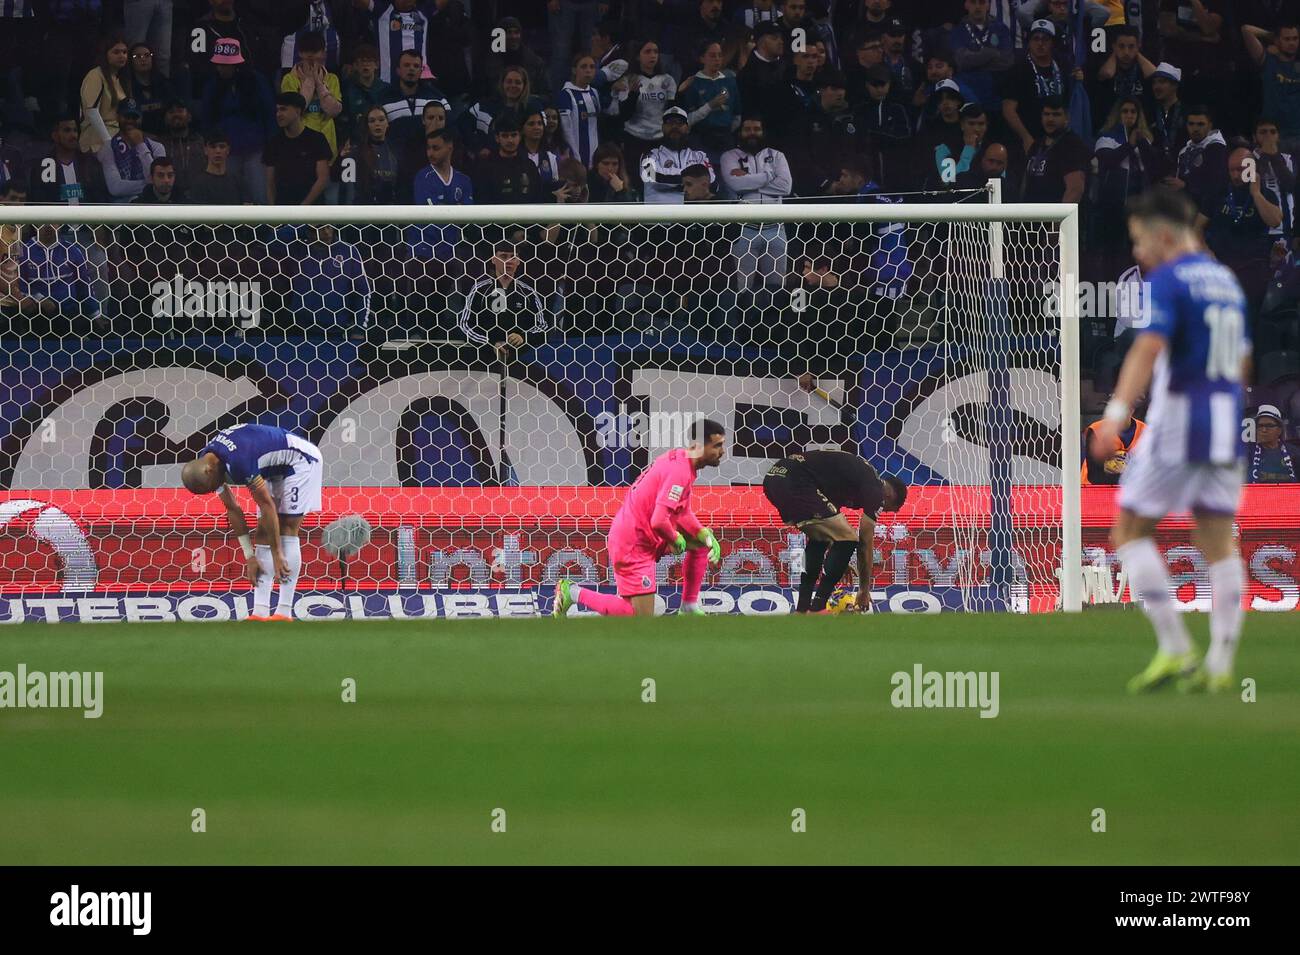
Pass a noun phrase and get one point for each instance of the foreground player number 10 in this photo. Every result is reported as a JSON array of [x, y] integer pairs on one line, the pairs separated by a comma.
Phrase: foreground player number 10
[[1224, 361]]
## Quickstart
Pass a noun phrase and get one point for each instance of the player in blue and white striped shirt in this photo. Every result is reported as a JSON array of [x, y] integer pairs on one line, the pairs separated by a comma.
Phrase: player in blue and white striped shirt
[[283, 474], [1197, 344]]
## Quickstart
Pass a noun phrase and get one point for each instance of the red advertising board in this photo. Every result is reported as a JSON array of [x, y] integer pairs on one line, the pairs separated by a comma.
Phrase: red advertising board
[[168, 541]]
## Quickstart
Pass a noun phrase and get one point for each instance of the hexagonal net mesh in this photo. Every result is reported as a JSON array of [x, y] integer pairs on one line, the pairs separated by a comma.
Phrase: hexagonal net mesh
[[482, 390]]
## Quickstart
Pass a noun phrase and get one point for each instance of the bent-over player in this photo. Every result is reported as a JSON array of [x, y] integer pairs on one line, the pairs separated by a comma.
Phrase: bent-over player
[[283, 474], [808, 489]]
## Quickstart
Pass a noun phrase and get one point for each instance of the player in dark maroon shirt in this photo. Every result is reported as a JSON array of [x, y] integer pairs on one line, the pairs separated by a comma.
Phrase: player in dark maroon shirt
[[808, 489]]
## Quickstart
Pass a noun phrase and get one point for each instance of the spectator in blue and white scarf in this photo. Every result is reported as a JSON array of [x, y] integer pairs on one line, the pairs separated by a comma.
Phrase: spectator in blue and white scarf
[[1271, 461]]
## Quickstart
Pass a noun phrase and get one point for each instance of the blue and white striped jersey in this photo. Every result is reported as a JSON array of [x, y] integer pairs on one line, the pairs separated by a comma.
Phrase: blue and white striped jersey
[[1198, 306], [396, 32], [253, 453], [579, 109]]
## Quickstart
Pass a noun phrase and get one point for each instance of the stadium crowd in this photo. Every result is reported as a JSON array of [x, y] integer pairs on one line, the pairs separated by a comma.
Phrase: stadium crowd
[[455, 102]]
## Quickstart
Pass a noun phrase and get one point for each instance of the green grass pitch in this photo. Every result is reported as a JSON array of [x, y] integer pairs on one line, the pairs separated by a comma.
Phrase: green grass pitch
[[753, 718]]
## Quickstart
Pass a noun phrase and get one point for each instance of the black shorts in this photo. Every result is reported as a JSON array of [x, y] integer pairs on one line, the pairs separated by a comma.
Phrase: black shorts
[[794, 493]]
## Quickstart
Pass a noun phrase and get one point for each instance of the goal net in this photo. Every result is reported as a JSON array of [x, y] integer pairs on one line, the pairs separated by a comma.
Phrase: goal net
[[485, 382]]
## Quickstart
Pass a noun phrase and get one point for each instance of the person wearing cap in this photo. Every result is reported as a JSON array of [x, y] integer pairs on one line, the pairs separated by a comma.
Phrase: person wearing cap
[[239, 101], [762, 81], [1032, 81], [1269, 460], [1125, 73], [868, 52], [128, 156], [905, 70], [319, 88], [952, 160], [297, 159], [184, 146], [149, 88], [103, 89], [886, 128], [939, 67], [661, 168], [1279, 75], [983, 49], [942, 122], [1168, 117], [516, 53], [1099, 14]]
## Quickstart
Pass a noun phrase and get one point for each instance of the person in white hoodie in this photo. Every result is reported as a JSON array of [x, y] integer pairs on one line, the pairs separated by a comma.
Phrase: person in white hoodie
[[639, 100], [661, 168], [754, 172]]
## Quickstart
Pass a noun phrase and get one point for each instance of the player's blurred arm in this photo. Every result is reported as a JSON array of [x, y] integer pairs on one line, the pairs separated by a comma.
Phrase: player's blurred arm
[[1134, 378], [866, 558]]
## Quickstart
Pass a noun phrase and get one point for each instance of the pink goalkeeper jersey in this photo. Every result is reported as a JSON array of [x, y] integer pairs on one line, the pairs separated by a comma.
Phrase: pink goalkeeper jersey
[[668, 482]]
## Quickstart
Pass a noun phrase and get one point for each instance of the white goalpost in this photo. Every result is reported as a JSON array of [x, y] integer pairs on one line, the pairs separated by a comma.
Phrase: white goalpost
[[484, 381]]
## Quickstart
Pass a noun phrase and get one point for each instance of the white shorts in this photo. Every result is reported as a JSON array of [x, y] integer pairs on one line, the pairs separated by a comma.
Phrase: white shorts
[[1152, 488], [299, 492]]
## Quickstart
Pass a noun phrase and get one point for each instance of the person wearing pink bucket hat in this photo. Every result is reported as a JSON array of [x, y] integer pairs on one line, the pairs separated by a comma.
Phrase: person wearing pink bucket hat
[[227, 51]]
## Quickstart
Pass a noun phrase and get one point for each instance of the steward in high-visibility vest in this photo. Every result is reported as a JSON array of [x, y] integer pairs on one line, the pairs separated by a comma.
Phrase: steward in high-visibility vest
[[1109, 470]]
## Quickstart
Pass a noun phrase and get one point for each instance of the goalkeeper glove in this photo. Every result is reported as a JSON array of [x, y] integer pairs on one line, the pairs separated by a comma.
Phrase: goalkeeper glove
[[706, 539], [679, 545]]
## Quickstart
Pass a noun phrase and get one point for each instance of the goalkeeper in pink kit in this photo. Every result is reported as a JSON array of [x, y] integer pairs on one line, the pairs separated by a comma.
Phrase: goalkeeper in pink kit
[[654, 519]]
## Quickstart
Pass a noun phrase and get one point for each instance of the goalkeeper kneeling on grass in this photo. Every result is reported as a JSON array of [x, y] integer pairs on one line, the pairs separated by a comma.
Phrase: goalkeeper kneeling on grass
[[808, 490], [655, 519]]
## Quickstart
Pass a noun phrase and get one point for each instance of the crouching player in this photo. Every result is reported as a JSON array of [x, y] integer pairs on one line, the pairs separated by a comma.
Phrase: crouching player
[[283, 474], [808, 490], [656, 518]]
